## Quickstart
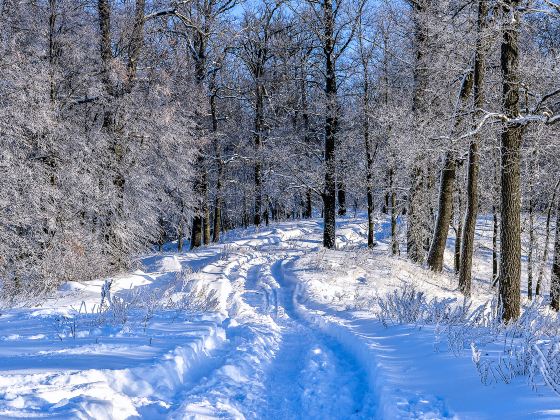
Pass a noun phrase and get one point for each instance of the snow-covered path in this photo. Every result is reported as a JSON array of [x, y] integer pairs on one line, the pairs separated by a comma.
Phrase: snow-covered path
[[291, 338], [290, 369]]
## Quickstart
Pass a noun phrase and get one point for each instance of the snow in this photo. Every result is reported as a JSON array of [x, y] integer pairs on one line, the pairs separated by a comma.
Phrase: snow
[[293, 334]]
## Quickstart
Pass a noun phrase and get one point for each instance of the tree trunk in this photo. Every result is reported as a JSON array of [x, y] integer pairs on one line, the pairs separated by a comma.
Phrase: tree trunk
[[394, 240], [555, 274], [308, 204], [369, 159], [258, 127], [329, 194], [530, 251], [447, 186], [205, 209], [341, 195], [469, 225], [218, 203], [457, 251], [510, 238], [445, 211], [415, 238], [414, 229]]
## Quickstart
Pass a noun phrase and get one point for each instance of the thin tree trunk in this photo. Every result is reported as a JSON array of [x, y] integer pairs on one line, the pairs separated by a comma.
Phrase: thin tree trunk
[[394, 239], [329, 193], [205, 209], [220, 172], [555, 274], [530, 251], [469, 225], [180, 237], [414, 234], [258, 127], [341, 195], [510, 238], [457, 251], [369, 159]]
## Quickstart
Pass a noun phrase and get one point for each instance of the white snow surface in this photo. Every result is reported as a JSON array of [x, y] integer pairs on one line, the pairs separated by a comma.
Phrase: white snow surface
[[293, 337]]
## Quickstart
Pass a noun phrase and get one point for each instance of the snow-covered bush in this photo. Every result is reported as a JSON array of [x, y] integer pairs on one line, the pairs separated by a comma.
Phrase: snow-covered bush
[[193, 296], [407, 305], [529, 346]]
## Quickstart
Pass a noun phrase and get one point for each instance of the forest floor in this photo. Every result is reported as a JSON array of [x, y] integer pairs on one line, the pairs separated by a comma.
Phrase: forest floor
[[283, 330]]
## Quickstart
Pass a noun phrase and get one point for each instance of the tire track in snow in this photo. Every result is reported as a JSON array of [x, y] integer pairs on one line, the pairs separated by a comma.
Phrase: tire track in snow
[[276, 364], [312, 375]]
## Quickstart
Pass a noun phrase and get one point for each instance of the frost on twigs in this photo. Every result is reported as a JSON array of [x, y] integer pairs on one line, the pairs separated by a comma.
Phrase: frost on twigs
[[528, 347], [193, 296]]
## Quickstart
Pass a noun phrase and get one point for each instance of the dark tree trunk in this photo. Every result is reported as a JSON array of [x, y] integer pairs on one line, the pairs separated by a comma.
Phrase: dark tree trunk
[[530, 252], [457, 251], [467, 241], [205, 209], [329, 193], [555, 274], [200, 185], [308, 204], [341, 195], [447, 186], [218, 203], [394, 240], [258, 127], [510, 238], [445, 211], [196, 233], [369, 159]]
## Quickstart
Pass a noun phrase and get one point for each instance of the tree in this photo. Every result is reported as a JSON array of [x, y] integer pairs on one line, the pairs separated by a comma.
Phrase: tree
[[469, 225], [510, 233]]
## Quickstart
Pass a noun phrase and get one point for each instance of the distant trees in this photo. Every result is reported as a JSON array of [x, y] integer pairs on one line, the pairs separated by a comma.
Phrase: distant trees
[[131, 124]]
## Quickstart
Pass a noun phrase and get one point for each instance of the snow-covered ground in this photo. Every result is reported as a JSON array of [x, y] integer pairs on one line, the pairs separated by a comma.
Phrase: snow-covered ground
[[265, 325]]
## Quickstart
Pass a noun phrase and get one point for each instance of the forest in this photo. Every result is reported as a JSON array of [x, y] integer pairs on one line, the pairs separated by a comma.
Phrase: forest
[[127, 124], [290, 186]]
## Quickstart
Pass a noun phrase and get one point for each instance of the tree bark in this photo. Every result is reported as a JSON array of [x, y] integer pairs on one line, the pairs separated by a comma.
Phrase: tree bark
[[415, 223], [445, 211], [510, 237], [394, 240], [329, 193], [555, 274], [457, 251], [218, 203], [544, 259], [205, 208], [469, 225], [341, 195], [530, 252], [258, 127], [369, 160], [414, 229], [447, 187]]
